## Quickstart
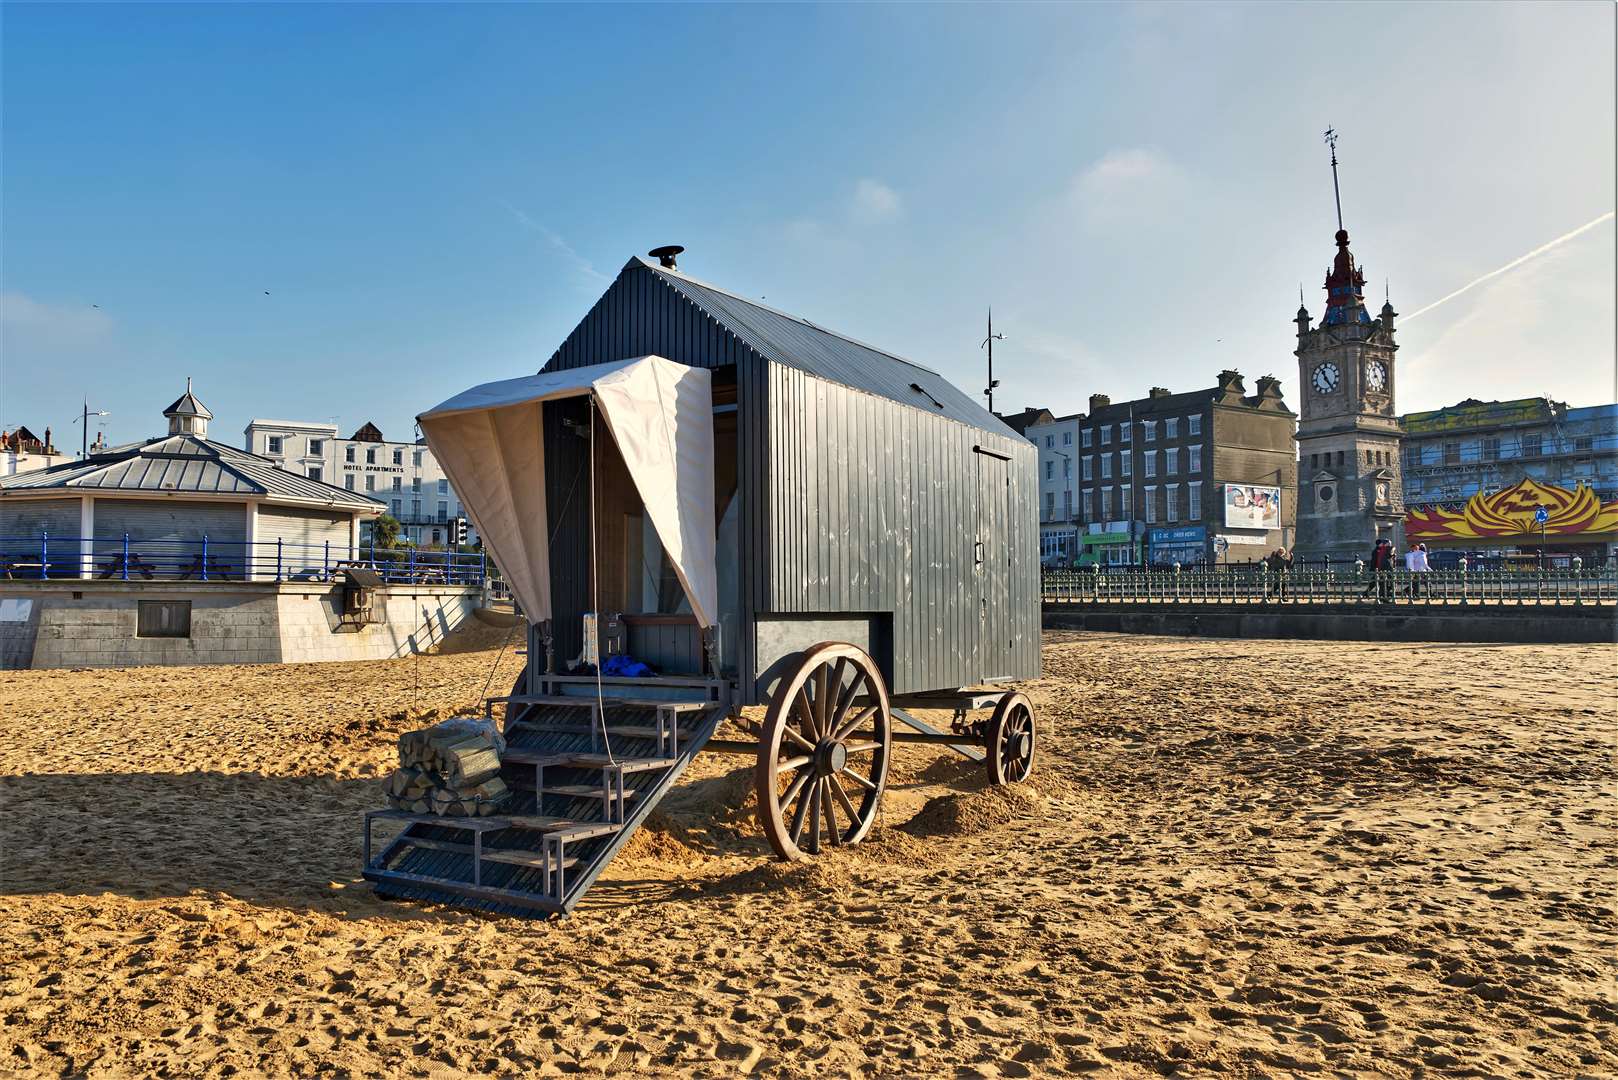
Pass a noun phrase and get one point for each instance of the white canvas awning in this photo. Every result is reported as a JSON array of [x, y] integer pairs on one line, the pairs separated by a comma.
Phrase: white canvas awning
[[490, 441]]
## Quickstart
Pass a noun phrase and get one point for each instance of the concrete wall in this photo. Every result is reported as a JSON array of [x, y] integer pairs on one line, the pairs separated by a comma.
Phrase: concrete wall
[[1452, 622], [52, 624]]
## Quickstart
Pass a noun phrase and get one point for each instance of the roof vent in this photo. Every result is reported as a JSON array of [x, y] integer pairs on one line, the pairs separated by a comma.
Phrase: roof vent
[[665, 255]]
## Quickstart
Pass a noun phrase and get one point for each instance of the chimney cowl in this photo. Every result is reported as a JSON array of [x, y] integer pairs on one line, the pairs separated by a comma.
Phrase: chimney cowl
[[665, 255]]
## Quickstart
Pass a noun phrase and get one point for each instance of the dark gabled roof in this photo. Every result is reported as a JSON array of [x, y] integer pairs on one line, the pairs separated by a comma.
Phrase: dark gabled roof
[[798, 343], [1022, 421], [180, 464]]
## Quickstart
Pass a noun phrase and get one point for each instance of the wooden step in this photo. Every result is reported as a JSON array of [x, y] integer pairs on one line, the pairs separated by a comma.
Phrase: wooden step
[[583, 791], [572, 760], [627, 731], [534, 822], [533, 859], [609, 702]]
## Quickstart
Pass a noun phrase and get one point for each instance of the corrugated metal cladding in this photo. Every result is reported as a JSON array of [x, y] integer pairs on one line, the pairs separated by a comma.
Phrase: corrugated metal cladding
[[28, 518], [860, 495], [876, 508], [306, 531], [171, 519]]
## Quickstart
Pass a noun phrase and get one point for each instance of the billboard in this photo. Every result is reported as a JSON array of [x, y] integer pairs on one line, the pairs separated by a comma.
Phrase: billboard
[[1252, 506]]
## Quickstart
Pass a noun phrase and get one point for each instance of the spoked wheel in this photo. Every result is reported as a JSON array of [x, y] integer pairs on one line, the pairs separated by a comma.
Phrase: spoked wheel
[[1012, 740], [823, 755], [514, 711]]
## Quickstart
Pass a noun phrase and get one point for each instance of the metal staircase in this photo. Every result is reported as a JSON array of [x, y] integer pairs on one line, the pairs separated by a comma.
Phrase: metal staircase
[[583, 778]]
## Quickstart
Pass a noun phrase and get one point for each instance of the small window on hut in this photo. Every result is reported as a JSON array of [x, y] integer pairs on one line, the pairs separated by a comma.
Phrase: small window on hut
[[164, 618]]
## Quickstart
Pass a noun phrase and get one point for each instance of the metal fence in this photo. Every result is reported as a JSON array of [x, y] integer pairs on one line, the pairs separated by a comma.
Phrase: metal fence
[[1395, 587], [127, 558]]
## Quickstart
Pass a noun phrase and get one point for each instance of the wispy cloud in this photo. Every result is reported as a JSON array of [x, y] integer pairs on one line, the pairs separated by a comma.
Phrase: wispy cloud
[[36, 323], [557, 244], [1129, 185], [875, 203]]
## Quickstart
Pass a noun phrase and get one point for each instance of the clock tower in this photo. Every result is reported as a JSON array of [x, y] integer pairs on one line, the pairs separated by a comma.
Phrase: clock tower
[[1349, 438]]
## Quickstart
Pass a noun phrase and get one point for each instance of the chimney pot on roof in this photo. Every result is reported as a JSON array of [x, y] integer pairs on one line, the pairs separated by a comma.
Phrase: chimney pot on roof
[[665, 255], [1157, 392], [1099, 401]]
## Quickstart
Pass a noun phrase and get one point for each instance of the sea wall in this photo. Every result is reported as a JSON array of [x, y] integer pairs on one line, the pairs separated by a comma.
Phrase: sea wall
[[1527, 623], [78, 623]]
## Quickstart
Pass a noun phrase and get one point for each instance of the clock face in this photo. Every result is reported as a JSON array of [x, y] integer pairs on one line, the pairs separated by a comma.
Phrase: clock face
[[1376, 375], [1325, 377]]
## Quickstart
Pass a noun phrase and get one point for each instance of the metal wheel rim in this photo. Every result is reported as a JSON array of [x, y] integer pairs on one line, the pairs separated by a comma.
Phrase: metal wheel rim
[[1013, 740], [824, 753]]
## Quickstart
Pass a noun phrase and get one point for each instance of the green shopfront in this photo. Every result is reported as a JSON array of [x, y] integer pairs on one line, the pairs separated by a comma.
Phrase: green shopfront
[[1108, 549]]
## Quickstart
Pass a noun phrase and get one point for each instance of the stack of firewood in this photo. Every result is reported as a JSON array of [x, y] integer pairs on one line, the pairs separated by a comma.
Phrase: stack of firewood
[[450, 769]]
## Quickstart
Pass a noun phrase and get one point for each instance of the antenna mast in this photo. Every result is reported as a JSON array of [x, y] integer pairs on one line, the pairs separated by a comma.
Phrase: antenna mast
[[989, 341], [1337, 194]]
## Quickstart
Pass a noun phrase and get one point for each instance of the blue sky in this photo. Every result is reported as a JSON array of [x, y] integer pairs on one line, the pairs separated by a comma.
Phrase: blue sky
[[356, 211]]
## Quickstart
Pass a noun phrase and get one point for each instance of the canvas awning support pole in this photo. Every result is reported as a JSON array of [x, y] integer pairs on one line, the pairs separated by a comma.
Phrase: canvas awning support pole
[[595, 588]]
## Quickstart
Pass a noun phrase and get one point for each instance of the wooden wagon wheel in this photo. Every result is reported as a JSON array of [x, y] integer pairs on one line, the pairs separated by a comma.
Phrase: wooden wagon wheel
[[826, 736], [1012, 740]]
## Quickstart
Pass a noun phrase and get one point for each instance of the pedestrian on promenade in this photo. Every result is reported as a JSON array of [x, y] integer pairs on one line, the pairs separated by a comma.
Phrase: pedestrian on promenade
[[1384, 573], [1279, 562], [1416, 563]]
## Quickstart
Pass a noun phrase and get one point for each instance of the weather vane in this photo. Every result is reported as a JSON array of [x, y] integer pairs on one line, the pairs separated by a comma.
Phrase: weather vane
[[1331, 141]]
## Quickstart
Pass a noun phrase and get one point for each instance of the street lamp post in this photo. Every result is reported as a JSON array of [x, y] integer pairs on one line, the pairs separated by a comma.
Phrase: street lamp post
[[83, 420]]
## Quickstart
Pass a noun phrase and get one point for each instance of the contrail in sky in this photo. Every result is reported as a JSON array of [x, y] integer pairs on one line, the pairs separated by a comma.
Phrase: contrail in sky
[[1518, 261]]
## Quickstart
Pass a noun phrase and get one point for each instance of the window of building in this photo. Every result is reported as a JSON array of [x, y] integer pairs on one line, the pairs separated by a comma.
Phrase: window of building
[[1151, 504], [1532, 445], [397, 508], [348, 454], [1193, 425], [1339, 457], [415, 509], [1150, 458], [370, 482], [348, 481], [1171, 428], [1106, 435], [1086, 436], [1193, 459], [163, 618], [1125, 433], [1050, 441], [1150, 429], [1171, 461], [317, 447], [1050, 505], [437, 536], [398, 457], [1193, 501], [315, 472], [272, 444], [370, 455], [1583, 444], [1089, 467], [1109, 504], [1127, 510], [443, 487], [1125, 463], [1106, 466], [443, 512], [397, 482], [418, 459], [1171, 508], [415, 484], [1050, 469], [1067, 504], [1067, 438]]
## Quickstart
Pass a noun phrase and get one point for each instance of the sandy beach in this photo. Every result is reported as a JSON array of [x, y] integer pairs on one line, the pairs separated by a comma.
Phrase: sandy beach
[[1235, 858]]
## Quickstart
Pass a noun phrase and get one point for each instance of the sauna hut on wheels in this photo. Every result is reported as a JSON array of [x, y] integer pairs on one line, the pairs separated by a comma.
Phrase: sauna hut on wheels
[[763, 512]]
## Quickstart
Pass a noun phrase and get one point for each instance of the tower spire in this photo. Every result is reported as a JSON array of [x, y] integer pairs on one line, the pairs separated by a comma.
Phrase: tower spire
[[1337, 194]]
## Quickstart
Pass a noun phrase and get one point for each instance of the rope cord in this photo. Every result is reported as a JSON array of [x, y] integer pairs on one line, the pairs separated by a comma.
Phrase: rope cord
[[595, 588]]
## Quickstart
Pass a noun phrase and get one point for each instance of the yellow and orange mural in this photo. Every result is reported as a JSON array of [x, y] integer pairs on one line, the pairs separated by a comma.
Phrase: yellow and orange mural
[[1510, 513]]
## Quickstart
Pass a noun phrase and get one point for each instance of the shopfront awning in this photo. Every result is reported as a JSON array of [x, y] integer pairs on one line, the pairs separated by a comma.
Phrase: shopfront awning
[[490, 442]]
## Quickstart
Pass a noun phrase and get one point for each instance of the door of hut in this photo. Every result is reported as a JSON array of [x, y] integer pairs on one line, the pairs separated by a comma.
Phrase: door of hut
[[993, 569]]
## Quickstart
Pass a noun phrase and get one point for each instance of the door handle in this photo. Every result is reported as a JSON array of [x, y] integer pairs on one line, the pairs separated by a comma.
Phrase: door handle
[[977, 553]]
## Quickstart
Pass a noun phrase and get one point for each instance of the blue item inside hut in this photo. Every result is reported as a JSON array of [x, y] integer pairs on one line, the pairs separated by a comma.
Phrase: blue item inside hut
[[625, 666]]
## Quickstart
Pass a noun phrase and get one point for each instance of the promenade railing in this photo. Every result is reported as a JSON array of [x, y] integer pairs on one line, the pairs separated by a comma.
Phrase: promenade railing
[[126, 558], [1357, 587]]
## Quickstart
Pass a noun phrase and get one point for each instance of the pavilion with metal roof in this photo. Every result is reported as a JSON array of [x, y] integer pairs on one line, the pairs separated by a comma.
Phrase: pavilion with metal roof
[[179, 505]]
